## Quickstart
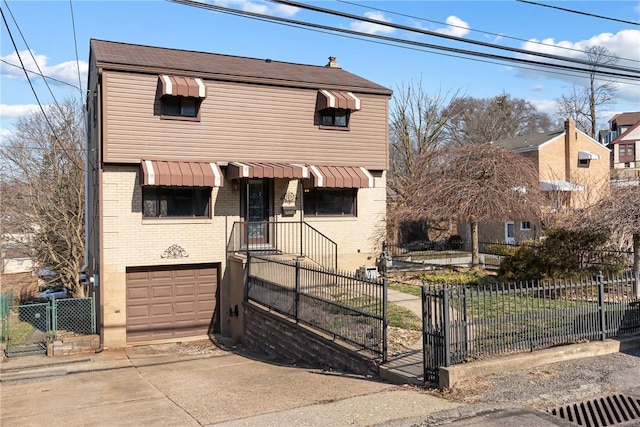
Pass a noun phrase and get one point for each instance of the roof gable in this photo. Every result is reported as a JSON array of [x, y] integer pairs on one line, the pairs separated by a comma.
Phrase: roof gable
[[158, 60], [622, 137], [626, 119], [528, 142]]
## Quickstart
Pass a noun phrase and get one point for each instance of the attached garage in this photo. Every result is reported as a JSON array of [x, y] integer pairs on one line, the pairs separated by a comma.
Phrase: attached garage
[[165, 302]]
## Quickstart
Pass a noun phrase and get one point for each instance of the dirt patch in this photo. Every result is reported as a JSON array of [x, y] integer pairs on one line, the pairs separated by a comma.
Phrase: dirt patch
[[402, 340]]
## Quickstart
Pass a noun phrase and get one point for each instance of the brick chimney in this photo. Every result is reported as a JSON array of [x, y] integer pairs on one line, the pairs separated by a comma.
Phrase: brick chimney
[[333, 63], [570, 147]]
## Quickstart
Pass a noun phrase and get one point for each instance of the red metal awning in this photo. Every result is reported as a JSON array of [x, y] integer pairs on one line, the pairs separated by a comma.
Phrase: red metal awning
[[237, 170], [182, 86], [337, 99], [181, 174], [340, 177]]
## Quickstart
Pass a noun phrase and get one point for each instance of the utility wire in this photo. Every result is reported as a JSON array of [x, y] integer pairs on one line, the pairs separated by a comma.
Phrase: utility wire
[[391, 12], [55, 101], [447, 36], [44, 114], [192, 3], [40, 74], [579, 12], [75, 42]]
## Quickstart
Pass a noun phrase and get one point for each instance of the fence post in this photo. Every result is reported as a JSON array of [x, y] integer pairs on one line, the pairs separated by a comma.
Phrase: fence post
[[53, 321], [297, 299], [447, 327], [385, 314], [601, 308], [246, 279], [93, 313]]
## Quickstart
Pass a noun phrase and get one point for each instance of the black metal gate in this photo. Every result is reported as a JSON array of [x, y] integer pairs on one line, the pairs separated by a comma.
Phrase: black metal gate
[[435, 333]]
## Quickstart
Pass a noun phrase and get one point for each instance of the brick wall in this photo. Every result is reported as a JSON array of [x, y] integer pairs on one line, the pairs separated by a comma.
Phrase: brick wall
[[277, 335]]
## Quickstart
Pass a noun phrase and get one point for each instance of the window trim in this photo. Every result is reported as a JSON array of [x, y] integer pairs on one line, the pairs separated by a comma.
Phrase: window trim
[[522, 226], [198, 106], [315, 214], [159, 188], [321, 114]]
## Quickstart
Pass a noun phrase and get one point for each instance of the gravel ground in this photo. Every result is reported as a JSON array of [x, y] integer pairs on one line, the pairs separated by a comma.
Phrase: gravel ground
[[541, 388]]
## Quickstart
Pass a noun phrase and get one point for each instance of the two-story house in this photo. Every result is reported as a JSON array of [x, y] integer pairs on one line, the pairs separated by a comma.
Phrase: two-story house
[[193, 156], [623, 139], [573, 171]]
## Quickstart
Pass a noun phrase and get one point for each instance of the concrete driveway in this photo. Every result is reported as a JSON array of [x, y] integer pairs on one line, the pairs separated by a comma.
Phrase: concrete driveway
[[127, 389]]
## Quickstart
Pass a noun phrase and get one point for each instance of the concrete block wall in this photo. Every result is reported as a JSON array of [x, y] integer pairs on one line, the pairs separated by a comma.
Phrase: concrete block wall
[[279, 336]]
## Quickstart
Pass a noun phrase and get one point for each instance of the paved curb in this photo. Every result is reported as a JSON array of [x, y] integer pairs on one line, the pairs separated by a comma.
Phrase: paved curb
[[450, 376]]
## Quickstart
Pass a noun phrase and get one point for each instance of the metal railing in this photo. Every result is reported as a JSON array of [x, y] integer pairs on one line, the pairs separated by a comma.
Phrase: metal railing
[[284, 237], [28, 328], [350, 309], [467, 322]]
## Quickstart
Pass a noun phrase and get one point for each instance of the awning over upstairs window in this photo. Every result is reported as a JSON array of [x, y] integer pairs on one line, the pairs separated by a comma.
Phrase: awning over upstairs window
[[337, 99], [340, 177], [182, 86], [237, 170], [586, 155], [181, 174]]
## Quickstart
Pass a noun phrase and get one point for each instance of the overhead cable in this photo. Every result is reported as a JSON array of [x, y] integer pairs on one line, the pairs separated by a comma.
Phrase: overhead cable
[[579, 12]]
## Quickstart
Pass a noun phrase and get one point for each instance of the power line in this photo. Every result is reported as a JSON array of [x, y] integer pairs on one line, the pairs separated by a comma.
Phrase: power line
[[447, 36], [75, 42], [53, 131], [55, 101], [40, 74], [409, 42], [474, 30], [579, 12]]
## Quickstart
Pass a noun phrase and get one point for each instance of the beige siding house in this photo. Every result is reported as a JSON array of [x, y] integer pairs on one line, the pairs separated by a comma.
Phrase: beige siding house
[[197, 157], [573, 170]]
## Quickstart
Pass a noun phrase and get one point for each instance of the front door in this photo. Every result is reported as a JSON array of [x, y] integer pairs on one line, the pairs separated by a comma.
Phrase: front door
[[509, 233], [257, 211]]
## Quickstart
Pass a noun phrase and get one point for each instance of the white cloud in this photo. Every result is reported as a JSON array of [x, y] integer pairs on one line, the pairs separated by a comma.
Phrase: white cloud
[[625, 45], [456, 27], [261, 7], [371, 28], [547, 106], [15, 111], [66, 72]]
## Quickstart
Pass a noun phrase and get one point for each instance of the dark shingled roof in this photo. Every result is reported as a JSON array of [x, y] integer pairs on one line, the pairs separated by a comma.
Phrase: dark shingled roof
[[626, 119], [123, 56], [526, 141]]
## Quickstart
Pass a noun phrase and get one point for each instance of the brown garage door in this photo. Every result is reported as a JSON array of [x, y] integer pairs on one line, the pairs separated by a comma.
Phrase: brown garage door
[[171, 301]]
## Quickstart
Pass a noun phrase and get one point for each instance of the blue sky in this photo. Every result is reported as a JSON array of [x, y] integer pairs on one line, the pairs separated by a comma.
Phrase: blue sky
[[47, 27]]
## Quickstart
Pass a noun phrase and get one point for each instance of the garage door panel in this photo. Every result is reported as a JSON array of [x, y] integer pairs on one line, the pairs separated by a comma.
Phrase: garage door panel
[[185, 289], [166, 302]]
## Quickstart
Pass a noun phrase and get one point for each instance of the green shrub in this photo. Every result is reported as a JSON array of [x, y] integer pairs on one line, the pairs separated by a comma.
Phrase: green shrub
[[456, 278]]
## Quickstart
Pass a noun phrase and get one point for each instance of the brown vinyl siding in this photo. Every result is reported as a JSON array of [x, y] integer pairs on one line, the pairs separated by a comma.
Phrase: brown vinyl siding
[[239, 122]]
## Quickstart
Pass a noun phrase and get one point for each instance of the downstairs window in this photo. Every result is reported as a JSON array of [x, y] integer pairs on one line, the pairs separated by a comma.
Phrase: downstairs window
[[330, 201], [175, 202]]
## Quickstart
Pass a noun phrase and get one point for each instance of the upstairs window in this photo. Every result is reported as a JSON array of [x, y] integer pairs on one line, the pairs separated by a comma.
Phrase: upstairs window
[[335, 117], [181, 97], [334, 108], [175, 202], [627, 152], [180, 106]]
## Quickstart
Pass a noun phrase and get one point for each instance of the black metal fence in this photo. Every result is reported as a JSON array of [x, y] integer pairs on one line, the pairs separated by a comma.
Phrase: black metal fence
[[284, 237], [350, 309], [27, 329], [461, 323]]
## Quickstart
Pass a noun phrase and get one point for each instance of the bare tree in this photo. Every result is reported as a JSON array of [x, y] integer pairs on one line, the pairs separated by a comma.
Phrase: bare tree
[[473, 184], [492, 119], [418, 125], [619, 214], [582, 103], [43, 188]]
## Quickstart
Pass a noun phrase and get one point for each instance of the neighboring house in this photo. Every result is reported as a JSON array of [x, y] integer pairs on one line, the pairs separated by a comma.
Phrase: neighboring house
[[196, 156], [623, 139], [573, 170], [17, 257]]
